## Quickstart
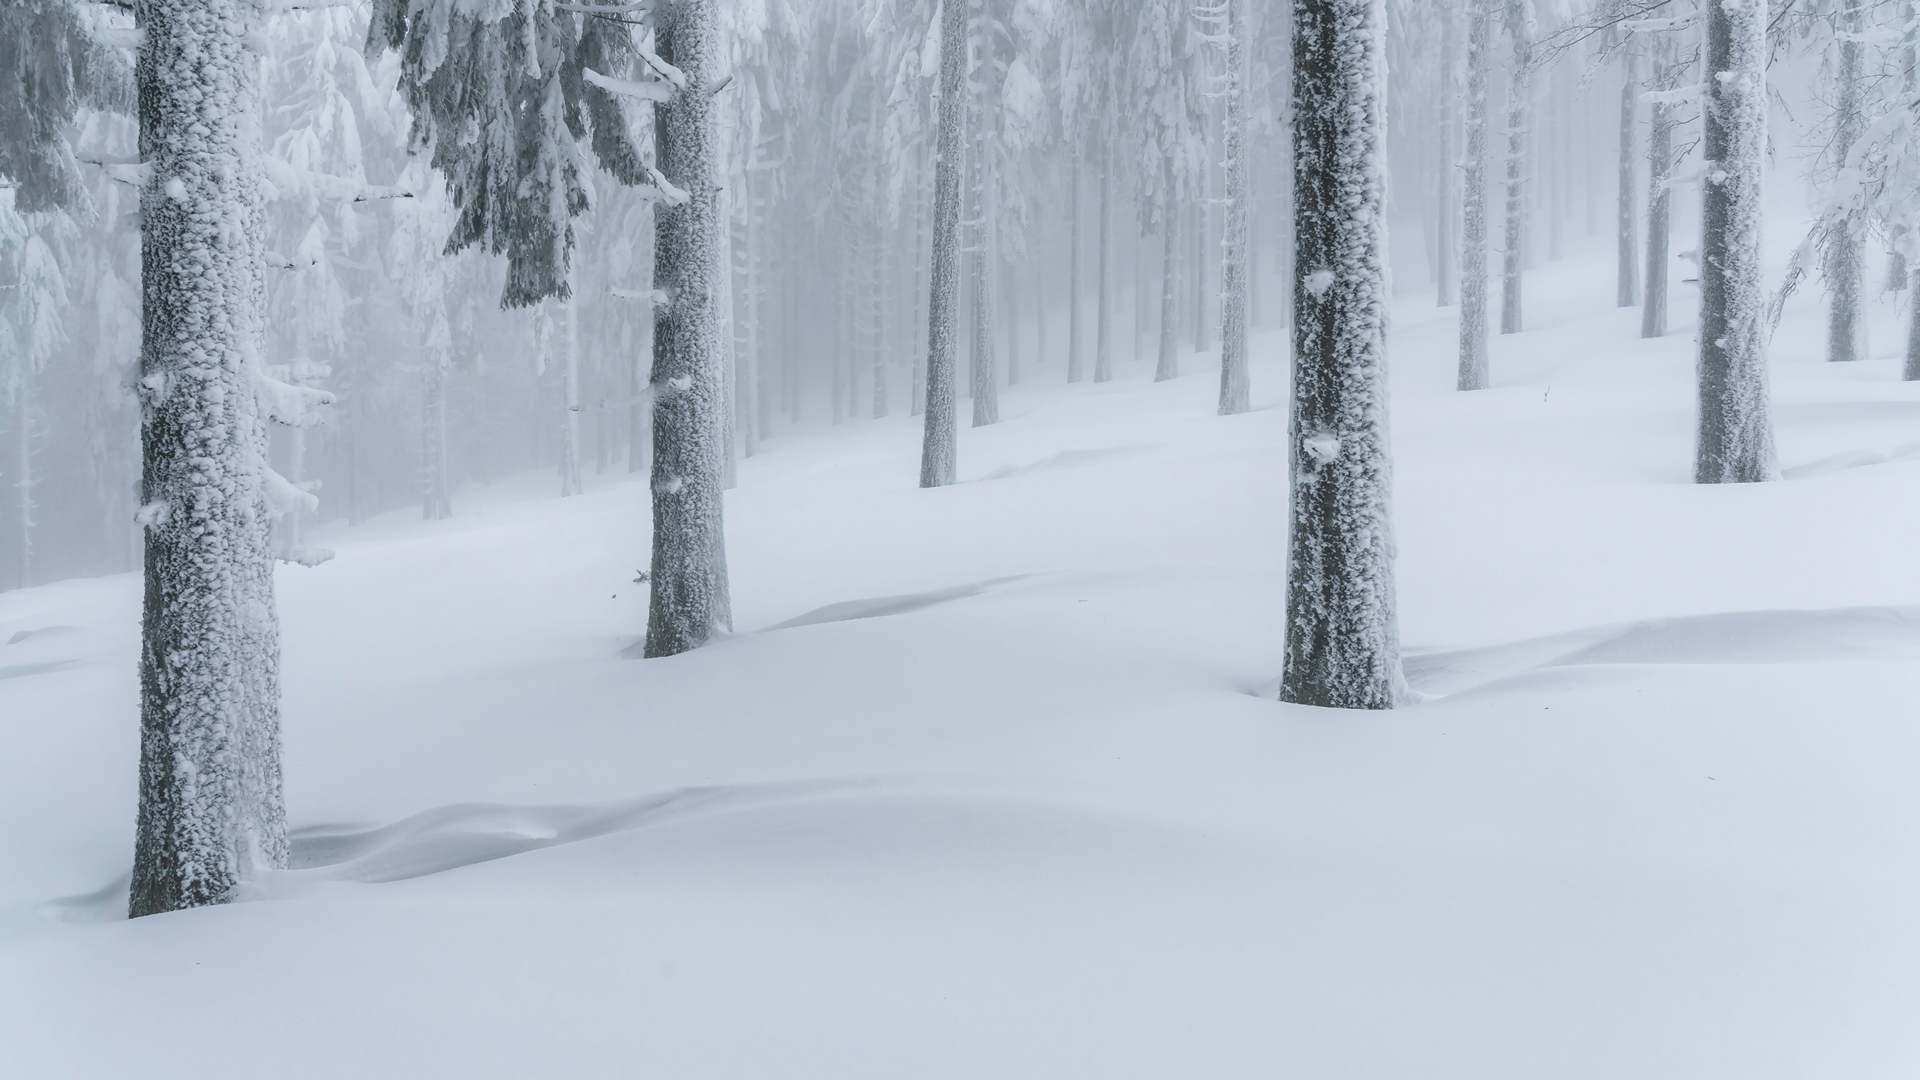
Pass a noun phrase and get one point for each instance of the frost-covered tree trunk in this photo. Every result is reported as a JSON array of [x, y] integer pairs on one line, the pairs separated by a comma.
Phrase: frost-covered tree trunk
[[436, 504], [1342, 641], [1103, 313], [877, 312], [1653, 311], [1627, 276], [1011, 294], [1443, 185], [1235, 391], [211, 812], [1519, 121], [23, 483], [1075, 367], [985, 376], [1845, 264], [917, 393], [1039, 309], [689, 572], [639, 373], [1167, 365], [937, 455], [1735, 442], [1198, 278], [1473, 210], [570, 422]]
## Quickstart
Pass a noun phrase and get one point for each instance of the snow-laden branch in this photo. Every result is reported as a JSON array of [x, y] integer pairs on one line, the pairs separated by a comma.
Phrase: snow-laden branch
[[126, 172], [284, 495], [291, 182], [662, 189], [287, 402], [651, 296], [655, 90], [281, 262], [663, 69], [1678, 96]]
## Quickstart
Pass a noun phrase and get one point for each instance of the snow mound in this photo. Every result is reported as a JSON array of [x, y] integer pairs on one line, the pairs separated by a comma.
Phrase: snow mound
[[1744, 637], [879, 606], [1065, 458]]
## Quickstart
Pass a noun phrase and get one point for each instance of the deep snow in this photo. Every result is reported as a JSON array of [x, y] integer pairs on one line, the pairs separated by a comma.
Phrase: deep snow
[[986, 786]]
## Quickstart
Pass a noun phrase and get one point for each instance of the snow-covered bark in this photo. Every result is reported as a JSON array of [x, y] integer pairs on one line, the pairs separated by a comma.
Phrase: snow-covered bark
[[1735, 438], [1446, 243], [1075, 343], [1234, 387], [985, 379], [211, 813], [1660, 120], [1103, 306], [917, 393], [1342, 639], [570, 483], [1167, 363], [937, 455], [689, 576], [1473, 208], [1626, 244], [1519, 18], [1844, 266]]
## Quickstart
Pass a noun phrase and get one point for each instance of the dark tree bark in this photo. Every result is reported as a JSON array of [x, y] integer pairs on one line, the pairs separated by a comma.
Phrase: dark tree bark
[[1735, 442], [689, 599], [1342, 643]]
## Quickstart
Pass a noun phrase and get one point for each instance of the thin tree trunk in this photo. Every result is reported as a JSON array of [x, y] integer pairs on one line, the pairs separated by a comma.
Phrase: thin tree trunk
[[1473, 214], [1653, 310], [570, 427], [639, 411], [1075, 350], [23, 485], [211, 811], [1039, 309], [986, 379], [1845, 262], [917, 395], [1168, 366], [1444, 197], [1627, 287], [1235, 390], [1735, 443], [689, 599], [1342, 640], [937, 455], [1011, 293], [436, 504], [1103, 317], [1519, 117]]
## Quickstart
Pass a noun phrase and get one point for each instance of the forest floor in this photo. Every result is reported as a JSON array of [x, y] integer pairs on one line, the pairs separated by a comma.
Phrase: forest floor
[[991, 784]]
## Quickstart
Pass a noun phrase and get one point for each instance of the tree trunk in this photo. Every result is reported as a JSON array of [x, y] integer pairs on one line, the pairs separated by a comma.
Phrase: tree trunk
[[1653, 311], [937, 451], [1039, 309], [1473, 213], [1011, 293], [570, 426], [689, 600], [1845, 262], [1342, 641], [1075, 366], [23, 483], [1235, 391], [1519, 117], [1627, 281], [436, 504], [1103, 317], [211, 811], [1443, 202], [639, 427], [1168, 366], [986, 379], [1735, 443], [1198, 278]]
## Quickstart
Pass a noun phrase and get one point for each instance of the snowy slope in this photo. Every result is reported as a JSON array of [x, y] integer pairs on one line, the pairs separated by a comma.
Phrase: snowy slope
[[1030, 816]]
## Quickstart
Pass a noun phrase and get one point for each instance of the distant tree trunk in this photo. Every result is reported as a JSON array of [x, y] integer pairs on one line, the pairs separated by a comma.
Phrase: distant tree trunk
[[917, 395], [1011, 293], [1910, 66], [1845, 263], [937, 452], [877, 311], [1653, 312], [1473, 213], [1198, 277], [1443, 193], [1168, 365], [751, 415], [986, 379], [1519, 120], [1103, 317], [570, 426], [211, 811], [639, 411], [689, 599], [1342, 640], [1039, 308], [436, 505], [23, 481], [1556, 166], [1627, 278], [1235, 390], [1075, 347], [1735, 442]]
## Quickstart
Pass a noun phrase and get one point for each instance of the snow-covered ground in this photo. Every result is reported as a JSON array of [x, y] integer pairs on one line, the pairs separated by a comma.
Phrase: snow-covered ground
[[1036, 814]]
